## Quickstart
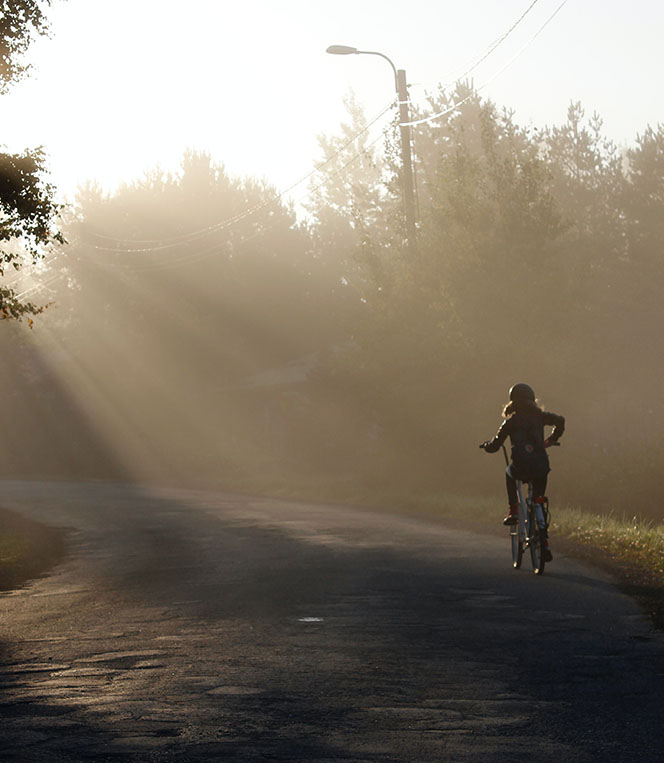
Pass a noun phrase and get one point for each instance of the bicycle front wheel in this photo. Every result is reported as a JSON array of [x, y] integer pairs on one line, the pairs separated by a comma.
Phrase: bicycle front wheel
[[517, 548]]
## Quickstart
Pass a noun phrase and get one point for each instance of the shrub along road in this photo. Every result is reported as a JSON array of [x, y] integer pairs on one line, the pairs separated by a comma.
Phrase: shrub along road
[[203, 627]]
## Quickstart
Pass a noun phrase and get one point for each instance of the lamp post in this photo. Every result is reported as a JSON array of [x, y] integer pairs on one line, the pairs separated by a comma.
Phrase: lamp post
[[404, 128]]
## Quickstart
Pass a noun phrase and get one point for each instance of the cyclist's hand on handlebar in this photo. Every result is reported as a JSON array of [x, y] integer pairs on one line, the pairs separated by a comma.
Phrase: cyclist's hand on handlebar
[[483, 445]]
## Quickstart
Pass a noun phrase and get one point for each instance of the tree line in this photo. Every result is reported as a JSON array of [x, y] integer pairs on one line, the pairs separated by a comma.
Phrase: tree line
[[221, 336]]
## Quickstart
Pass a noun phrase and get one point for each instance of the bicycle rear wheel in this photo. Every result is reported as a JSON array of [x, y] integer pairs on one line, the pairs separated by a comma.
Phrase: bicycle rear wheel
[[537, 546], [517, 547]]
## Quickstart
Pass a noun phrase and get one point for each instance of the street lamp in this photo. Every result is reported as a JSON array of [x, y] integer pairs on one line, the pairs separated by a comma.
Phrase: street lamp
[[406, 156]]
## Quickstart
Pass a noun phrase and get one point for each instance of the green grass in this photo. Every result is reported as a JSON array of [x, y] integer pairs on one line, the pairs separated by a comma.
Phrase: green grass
[[633, 541], [13, 548], [28, 549]]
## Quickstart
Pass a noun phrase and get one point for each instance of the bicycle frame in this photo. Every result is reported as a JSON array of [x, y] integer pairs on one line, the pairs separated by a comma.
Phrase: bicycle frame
[[530, 530]]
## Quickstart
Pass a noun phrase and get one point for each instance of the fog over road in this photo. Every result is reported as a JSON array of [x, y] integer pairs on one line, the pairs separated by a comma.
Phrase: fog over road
[[191, 626]]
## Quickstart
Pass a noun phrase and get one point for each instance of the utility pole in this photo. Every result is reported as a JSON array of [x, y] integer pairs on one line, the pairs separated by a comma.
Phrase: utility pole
[[406, 159], [401, 86]]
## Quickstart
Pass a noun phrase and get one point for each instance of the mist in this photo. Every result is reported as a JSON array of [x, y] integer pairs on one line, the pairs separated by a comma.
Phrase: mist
[[201, 332]]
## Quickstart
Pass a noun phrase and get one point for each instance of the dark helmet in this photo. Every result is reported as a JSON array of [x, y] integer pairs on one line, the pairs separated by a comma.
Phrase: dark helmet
[[522, 391]]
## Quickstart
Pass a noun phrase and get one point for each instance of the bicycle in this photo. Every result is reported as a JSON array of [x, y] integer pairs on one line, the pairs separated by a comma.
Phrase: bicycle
[[531, 530]]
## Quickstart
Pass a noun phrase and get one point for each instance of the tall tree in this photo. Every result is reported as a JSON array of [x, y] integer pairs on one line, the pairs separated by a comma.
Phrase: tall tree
[[588, 175], [644, 199], [350, 204], [438, 322], [28, 212], [198, 301]]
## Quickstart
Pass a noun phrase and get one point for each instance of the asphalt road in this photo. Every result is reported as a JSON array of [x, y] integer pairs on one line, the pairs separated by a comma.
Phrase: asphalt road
[[189, 626]]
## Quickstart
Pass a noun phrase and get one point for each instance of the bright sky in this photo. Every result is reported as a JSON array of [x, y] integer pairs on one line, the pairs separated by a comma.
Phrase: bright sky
[[125, 85]]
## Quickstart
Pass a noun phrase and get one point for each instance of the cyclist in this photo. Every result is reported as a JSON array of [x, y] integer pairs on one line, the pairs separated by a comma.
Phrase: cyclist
[[524, 423]]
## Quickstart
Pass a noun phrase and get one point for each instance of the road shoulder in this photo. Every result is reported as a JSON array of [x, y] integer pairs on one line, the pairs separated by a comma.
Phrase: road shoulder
[[28, 549]]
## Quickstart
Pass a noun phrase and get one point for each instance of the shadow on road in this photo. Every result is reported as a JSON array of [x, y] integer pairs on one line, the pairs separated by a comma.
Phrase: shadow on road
[[236, 629]]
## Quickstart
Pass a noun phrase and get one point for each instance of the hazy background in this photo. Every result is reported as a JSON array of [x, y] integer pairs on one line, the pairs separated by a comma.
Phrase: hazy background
[[124, 85], [208, 329]]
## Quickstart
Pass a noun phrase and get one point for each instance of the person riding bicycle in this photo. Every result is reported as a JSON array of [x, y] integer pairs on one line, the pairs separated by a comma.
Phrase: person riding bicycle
[[524, 423]]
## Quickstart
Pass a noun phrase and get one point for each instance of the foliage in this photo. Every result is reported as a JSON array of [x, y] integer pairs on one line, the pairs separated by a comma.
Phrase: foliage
[[351, 191], [644, 200], [184, 299], [28, 211], [539, 257], [215, 246], [20, 21]]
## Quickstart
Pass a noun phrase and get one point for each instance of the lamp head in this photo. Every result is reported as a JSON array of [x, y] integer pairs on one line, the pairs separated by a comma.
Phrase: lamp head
[[341, 50]]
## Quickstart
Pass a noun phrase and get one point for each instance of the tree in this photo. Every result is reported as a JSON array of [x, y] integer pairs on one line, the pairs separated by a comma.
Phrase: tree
[[539, 257], [20, 21], [644, 197], [180, 290], [28, 212], [351, 205], [587, 180], [439, 322]]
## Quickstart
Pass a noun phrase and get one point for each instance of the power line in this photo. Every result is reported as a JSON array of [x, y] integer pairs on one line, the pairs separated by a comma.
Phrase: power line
[[160, 244], [228, 222], [199, 256], [489, 50], [176, 241], [448, 110]]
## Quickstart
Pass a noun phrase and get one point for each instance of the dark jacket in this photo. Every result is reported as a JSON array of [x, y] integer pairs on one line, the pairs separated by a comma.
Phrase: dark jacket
[[525, 428]]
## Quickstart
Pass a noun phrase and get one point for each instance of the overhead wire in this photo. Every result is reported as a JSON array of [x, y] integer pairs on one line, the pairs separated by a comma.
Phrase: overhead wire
[[200, 255], [175, 241], [453, 107], [499, 41], [228, 222], [38, 287], [492, 47]]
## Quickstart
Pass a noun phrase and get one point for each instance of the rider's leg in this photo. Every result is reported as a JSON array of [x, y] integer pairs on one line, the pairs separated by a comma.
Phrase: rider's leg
[[513, 515], [539, 489]]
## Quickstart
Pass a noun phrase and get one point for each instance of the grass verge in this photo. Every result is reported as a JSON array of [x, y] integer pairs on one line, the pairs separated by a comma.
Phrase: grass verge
[[630, 549], [28, 549]]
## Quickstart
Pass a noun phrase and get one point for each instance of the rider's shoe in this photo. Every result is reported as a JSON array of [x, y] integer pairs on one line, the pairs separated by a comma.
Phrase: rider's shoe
[[513, 517]]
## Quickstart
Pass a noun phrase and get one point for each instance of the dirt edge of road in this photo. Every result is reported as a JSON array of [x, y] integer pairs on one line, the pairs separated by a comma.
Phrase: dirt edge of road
[[643, 585], [28, 549]]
